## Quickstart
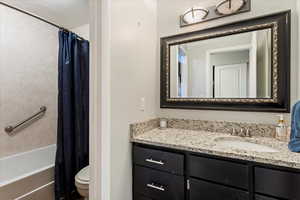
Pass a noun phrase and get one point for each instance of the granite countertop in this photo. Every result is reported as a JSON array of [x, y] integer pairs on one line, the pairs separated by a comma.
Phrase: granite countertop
[[204, 142]]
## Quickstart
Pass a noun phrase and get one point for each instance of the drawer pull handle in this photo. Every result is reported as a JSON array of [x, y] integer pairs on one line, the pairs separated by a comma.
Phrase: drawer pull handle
[[155, 161], [160, 188]]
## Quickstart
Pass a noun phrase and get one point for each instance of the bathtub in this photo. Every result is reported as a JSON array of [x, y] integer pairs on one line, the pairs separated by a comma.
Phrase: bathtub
[[28, 175]]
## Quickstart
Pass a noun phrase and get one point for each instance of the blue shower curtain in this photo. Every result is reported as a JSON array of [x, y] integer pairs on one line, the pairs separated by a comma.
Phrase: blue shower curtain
[[73, 113]]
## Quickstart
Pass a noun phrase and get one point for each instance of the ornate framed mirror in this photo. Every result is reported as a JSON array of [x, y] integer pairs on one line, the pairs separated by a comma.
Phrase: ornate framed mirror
[[242, 66]]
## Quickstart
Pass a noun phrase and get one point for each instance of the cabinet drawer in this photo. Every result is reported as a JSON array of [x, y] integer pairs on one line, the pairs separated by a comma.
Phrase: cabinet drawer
[[277, 183], [158, 185], [139, 197], [161, 160], [260, 197], [208, 191], [219, 171]]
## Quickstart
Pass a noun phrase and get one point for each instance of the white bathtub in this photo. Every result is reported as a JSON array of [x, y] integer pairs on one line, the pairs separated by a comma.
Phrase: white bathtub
[[27, 175]]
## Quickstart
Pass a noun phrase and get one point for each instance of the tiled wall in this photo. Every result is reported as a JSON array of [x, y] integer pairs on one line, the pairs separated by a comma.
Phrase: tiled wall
[[28, 80]]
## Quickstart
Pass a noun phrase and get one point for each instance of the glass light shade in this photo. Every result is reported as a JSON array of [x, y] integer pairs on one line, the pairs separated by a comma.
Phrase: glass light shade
[[227, 7], [194, 15]]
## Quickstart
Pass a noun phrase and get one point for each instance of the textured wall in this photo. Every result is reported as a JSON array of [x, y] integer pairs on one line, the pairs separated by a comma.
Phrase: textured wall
[[28, 80], [168, 24]]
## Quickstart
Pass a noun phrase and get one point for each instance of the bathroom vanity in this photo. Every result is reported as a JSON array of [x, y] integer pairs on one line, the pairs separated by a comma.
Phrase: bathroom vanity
[[242, 66], [178, 164], [164, 173]]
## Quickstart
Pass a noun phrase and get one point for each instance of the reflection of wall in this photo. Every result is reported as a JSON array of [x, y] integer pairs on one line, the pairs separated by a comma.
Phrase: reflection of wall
[[83, 31], [226, 58], [28, 80], [263, 64], [168, 25], [174, 71], [197, 78]]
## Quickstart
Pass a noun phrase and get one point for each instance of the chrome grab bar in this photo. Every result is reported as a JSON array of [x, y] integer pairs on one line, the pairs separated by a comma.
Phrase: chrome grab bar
[[150, 160], [10, 129], [160, 188]]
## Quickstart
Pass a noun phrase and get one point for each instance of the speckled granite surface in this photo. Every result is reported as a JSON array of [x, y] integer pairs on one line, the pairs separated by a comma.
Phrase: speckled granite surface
[[205, 142], [265, 130], [142, 127]]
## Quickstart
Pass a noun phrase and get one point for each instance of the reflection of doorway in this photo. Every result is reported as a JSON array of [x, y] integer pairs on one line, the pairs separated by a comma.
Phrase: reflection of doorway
[[232, 56], [230, 81]]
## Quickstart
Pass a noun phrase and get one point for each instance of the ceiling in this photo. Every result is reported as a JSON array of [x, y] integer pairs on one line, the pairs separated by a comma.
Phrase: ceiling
[[66, 13]]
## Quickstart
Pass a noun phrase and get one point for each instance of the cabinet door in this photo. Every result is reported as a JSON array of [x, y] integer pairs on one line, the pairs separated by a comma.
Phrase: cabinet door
[[138, 197], [259, 197], [277, 183], [201, 190], [219, 171]]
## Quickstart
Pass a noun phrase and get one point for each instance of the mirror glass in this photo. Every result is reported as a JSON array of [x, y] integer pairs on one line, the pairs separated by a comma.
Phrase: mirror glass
[[233, 66]]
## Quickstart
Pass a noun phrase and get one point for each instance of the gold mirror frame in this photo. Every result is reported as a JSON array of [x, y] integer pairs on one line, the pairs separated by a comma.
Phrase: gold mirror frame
[[273, 26]]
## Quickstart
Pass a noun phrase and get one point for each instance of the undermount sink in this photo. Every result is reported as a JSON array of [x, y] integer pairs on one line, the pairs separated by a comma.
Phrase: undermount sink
[[243, 144]]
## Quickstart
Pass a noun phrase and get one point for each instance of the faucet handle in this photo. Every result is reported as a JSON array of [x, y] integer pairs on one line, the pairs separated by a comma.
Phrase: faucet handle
[[242, 134], [233, 132], [248, 134]]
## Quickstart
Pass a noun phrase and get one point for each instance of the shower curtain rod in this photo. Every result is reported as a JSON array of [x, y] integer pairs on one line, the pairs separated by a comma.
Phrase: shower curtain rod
[[39, 18]]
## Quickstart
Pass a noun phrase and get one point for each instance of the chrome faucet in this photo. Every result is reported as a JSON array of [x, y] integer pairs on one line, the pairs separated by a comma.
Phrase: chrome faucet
[[248, 133], [234, 133], [242, 133], [245, 132]]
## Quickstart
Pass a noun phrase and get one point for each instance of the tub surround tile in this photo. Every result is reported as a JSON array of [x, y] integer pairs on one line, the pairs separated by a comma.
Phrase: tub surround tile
[[190, 135], [28, 82]]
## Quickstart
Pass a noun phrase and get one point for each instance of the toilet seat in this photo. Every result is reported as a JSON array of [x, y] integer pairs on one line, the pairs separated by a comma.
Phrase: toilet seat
[[83, 176], [82, 180]]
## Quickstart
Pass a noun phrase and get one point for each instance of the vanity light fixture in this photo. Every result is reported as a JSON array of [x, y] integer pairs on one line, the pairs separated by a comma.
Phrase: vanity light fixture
[[194, 15], [224, 8], [228, 7]]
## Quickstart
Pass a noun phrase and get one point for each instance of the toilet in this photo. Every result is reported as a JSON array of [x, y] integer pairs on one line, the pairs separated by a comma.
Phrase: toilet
[[82, 180]]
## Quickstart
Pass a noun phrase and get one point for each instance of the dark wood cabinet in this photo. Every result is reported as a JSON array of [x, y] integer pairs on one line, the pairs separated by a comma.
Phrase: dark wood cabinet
[[158, 185], [139, 197], [209, 191], [277, 183], [224, 172], [182, 175], [161, 160], [260, 197]]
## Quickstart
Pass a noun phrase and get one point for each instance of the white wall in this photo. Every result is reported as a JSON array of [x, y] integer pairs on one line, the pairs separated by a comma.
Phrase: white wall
[[83, 31], [67, 13], [133, 75], [168, 24], [298, 15], [28, 80]]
